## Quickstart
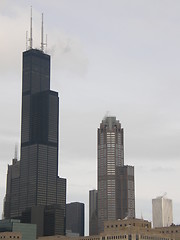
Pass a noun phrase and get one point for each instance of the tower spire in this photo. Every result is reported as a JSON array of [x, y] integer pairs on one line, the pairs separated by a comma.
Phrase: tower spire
[[31, 40], [42, 35], [15, 152]]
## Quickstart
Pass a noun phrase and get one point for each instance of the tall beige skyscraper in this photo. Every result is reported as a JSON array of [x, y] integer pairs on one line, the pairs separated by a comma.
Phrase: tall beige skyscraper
[[116, 198], [162, 212]]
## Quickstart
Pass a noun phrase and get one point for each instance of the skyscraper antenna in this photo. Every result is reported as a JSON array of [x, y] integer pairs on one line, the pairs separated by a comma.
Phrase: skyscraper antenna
[[15, 153], [42, 35], [26, 40], [46, 42], [30, 40]]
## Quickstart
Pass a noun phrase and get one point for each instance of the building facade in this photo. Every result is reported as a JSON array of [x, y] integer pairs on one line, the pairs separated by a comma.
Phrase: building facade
[[162, 212], [130, 229], [116, 197], [93, 214], [12, 228], [10, 235], [35, 181], [75, 218]]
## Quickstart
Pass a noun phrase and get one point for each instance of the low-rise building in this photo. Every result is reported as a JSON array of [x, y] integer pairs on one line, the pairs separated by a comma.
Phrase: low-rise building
[[128, 229], [14, 229], [10, 235], [173, 230]]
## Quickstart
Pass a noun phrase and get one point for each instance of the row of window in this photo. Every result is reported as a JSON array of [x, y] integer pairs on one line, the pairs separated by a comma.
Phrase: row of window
[[137, 237], [117, 237], [90, 239], [153, 238], [9, 237], [169, 231], [124, 225]]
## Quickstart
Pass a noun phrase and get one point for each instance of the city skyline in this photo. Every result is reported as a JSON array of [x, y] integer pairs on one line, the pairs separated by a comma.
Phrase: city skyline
[[120, 57]]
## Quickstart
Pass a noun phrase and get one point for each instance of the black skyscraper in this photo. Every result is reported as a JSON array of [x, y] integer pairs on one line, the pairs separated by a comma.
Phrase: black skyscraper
[[75, 218], [35, 193]]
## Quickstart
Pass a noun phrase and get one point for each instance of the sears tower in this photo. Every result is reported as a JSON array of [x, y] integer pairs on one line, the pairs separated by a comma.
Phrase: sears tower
[[34, 191]]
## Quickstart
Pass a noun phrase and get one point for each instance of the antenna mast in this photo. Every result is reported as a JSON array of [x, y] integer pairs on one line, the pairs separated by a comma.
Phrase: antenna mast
[[30, 40], [42, 35], [26, 40], [46, 42], [15, 153]]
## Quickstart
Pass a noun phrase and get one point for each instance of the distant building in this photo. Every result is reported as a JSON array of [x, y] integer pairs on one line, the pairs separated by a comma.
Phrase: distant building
[[162, 212], [93, 208], [15, 229], [116, 195], [12, 190], [130, 229], [75, 219]]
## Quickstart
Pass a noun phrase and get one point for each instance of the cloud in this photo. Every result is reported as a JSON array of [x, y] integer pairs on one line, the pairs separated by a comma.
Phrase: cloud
[[69, 55]]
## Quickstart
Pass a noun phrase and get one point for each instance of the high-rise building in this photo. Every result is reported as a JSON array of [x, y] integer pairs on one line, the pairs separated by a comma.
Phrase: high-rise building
[[162, 212], [33, 181], [93, 208], [75, 219], [116, 197]]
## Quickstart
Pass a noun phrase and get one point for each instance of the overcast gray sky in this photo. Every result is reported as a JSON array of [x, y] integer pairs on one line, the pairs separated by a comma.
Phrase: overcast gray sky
[[116, 57]]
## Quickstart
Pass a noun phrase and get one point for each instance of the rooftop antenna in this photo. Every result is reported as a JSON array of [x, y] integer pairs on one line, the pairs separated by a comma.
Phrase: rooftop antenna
[[26, 40], [46, 42], [14, 160], [42, 35], [30, 40], [15, 153]]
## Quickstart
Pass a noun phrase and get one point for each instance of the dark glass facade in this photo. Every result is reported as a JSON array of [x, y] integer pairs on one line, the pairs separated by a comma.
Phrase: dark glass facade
[[38, 183], [93, 212], [75, 218]]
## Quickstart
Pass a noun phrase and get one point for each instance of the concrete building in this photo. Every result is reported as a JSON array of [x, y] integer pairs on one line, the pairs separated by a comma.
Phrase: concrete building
[[10, 235], [75, 219], [15, 229], [116, 195], [173, 230], [93, 208], [131, 229], [33, 182], [162, 212]]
